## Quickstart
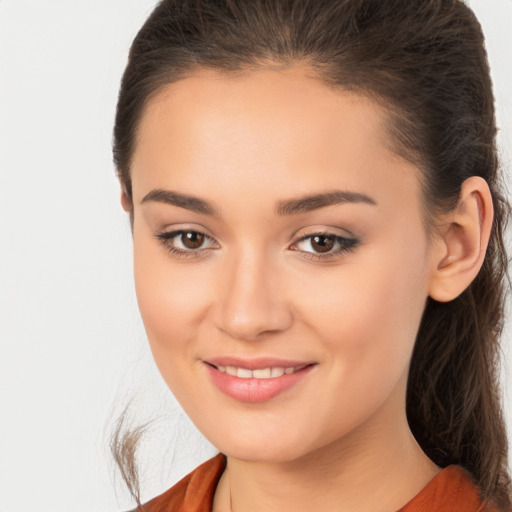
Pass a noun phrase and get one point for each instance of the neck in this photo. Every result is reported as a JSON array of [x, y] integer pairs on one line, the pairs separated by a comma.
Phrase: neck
[[379, 467]]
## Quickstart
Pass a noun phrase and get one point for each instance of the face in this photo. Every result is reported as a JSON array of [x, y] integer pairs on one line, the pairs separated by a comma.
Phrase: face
[[281, 261]]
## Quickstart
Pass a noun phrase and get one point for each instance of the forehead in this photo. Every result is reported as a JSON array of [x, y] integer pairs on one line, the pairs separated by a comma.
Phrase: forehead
[[283, 127], [260, 105]]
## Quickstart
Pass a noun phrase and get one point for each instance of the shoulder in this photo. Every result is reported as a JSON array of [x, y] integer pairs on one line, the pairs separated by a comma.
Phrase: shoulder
[[452, 490], [194, 492]]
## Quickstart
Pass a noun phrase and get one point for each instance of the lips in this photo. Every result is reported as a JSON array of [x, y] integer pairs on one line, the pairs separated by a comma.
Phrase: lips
[[261, 373], [256, 380], [256, 363]]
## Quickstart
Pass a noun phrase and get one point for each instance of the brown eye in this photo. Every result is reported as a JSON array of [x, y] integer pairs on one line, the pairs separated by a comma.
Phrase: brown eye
[[322, 243], [324, 246], [192, 239], [187, 243]]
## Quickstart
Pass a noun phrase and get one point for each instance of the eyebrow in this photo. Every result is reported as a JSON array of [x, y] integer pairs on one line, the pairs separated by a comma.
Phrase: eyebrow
[[182, 200], [316, 201], [284, 208]]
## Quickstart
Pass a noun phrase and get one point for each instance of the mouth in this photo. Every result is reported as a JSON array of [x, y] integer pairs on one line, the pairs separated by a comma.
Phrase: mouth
[[260, 373], [256, 380]]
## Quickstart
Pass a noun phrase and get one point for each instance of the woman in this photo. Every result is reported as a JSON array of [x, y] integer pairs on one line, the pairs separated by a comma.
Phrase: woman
[[317, 221]]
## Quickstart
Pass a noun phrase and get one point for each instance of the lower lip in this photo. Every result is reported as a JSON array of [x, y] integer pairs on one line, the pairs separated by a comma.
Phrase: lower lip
[[255, 390]]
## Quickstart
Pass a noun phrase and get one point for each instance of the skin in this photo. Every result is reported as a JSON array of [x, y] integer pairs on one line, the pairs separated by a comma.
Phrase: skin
[[254, 289]]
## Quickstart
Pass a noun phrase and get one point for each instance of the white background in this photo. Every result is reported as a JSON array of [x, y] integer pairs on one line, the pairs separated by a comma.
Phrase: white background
[[72, 348]]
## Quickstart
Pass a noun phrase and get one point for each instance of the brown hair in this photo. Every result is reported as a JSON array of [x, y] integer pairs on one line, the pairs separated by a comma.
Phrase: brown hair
[[425, 61]]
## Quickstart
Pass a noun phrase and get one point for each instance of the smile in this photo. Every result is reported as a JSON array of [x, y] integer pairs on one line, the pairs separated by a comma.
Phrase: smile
[[257, 384], [264, 373]]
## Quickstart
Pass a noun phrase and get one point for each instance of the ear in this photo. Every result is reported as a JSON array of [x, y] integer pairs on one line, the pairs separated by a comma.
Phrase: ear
[[463, 235], [126, 201]]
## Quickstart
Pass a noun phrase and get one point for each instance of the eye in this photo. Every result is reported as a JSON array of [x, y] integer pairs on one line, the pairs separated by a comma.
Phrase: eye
[[323, 246], [186, 243]]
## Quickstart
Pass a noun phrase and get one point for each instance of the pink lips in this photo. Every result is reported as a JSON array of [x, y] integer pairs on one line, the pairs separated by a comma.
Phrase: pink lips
[[254, 389]]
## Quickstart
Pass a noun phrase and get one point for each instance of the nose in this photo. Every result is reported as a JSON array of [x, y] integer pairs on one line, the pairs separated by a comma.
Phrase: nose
[[253, 301]]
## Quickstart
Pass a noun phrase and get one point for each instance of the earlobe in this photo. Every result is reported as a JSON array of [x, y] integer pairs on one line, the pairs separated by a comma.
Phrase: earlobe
[[126, 201], [463, 236], [127, 204]]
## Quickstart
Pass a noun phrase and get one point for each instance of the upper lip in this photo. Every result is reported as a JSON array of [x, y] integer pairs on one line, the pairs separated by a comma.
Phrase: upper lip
[[258, 363]]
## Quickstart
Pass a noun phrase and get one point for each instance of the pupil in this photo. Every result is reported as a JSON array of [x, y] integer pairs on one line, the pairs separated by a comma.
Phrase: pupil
[[322, 243], [192, 240]]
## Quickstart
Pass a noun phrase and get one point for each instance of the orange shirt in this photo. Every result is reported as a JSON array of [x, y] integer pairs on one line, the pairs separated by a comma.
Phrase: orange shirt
[[452, 490]]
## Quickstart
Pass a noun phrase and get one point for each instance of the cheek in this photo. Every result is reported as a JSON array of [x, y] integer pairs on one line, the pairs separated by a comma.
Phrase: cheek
[[365, 316], [367, 311], [170, 300]]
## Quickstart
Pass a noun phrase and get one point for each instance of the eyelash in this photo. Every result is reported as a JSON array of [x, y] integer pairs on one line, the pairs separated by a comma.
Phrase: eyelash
[[345, 245], [166, 238]]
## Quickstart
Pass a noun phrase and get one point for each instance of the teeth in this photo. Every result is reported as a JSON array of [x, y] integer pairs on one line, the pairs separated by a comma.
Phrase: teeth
[[277, 372], [243, 373], [264, 373]]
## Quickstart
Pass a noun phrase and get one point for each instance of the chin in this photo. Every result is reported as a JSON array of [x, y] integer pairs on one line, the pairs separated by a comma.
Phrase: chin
[[262, 447], [265, 454]]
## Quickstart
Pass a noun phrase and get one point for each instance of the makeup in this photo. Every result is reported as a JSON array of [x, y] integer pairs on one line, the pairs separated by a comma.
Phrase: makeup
[[257, 380]]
